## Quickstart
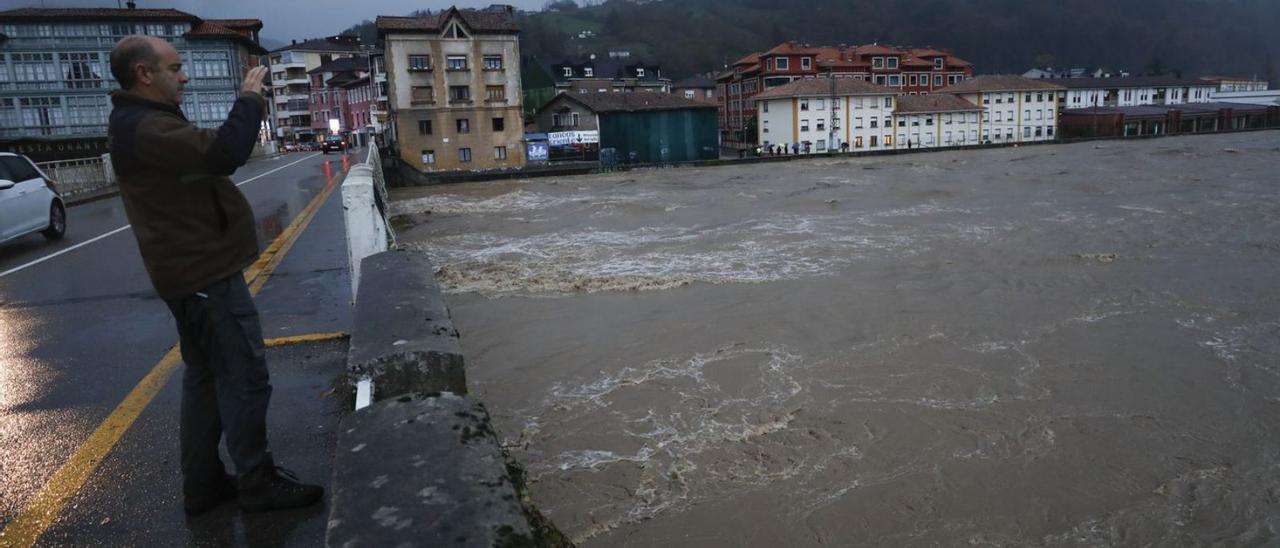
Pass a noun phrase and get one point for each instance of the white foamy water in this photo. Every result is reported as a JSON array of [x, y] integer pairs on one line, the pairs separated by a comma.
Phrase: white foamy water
[[992, 348]]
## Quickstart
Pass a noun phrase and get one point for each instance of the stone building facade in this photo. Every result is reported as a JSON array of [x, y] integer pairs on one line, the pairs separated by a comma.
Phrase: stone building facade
[[454, 89]]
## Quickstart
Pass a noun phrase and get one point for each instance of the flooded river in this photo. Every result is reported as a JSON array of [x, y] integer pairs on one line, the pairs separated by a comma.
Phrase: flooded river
[[1070, 345]]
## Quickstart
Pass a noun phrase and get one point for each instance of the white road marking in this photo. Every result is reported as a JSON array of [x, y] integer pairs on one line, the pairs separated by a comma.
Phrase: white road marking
[[126, 227]]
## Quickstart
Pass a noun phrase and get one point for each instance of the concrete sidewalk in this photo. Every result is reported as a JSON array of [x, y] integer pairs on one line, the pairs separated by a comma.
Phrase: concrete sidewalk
[[134, 498]]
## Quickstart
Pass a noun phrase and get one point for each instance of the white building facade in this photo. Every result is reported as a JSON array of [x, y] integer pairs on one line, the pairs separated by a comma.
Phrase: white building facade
[[938, 120], [813, 115], [1013, 109], [1134, 91]]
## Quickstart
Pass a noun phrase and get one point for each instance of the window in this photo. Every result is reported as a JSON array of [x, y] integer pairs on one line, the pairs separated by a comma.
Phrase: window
[[428, 157], [822, 145], [950, 118], [82, 70], [639, 72], [1028, 115], [456, 62], [568, 72], [500, 153], [986, 99], [877, 62], [782, 63], [464, 154], [804, 104], [419, 62], [495, 93], [857, 103], [1048, 131], [1026, 131], [821, 125], [764, 107], [875, 122], [804, 125], [424, 127], [937, 63], [881, 80], [857, 123], [891, 62], [1040, 96], [937, 80], [857, 142], [806, 63], [928, 120], [902, 122], [459, 93], [874, 141], [911, 80], [421, 94], [463, 124], [589, 72], [494, 62], [895, 80], [821, 104], [499, 124], [888, 102]]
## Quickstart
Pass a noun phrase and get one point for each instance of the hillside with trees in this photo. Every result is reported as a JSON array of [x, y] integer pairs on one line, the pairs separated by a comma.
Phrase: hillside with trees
[[1192, 37]]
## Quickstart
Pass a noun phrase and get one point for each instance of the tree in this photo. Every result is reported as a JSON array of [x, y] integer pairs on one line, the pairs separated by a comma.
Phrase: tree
[[1044, 60], [1155, 66]]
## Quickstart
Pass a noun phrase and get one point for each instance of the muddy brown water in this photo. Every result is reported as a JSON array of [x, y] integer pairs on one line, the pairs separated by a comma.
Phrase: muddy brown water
[[1069, 345]]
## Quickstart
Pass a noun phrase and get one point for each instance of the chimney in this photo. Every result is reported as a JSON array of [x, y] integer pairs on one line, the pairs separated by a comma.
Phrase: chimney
[[131, 4], [295, 41]]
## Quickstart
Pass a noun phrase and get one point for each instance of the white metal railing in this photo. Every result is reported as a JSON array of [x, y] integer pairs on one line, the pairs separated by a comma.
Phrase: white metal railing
[[81, 175]]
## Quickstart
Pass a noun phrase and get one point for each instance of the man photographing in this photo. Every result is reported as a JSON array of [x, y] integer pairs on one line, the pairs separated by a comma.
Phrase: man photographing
[[195, 231]]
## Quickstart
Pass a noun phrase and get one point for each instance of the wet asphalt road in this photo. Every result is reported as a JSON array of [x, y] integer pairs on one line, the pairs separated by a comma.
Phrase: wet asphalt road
[[78, 331]]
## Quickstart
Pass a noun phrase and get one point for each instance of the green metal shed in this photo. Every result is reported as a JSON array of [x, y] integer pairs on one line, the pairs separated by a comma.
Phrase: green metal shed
[[650, 127]]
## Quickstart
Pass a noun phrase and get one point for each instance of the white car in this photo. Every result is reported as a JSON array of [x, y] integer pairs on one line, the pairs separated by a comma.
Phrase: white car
[[29, 200]]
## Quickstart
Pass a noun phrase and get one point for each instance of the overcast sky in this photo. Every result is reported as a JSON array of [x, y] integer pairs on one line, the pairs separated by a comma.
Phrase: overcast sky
[[285, 20]]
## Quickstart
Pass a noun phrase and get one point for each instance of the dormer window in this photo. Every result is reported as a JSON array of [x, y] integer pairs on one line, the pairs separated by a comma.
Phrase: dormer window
[[589, 72], [937, 63], [806, 63], [454, 31], [568, 72], [639, 72]]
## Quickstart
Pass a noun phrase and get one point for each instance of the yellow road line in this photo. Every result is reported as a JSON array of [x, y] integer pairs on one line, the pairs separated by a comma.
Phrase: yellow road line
[[45, 507], [301, 339]]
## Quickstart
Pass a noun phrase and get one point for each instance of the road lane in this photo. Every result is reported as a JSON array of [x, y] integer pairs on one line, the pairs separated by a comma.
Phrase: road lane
[[78, 331]]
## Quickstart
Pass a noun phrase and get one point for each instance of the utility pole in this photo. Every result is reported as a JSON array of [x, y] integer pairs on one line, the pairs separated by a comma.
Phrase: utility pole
[[831, 128]]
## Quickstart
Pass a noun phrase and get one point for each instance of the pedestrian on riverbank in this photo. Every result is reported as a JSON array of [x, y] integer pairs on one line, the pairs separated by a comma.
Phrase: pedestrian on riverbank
[[196, 234]]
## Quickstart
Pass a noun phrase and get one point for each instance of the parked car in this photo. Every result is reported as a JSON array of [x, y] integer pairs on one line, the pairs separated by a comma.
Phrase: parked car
[[29, 200], [335, 145]]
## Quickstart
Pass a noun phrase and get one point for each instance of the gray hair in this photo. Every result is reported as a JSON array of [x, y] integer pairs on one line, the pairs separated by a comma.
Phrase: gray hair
[[128, 53]]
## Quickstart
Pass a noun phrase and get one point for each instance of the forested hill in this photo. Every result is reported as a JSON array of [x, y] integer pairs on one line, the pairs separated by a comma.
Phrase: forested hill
[[1235, 37]]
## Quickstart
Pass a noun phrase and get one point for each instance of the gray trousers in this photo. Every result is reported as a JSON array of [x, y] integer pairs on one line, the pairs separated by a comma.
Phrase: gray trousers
[[225, 385]]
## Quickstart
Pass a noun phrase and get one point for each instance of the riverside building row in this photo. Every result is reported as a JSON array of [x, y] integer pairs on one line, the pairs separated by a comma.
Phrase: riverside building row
[[912, 71], [832, 114]]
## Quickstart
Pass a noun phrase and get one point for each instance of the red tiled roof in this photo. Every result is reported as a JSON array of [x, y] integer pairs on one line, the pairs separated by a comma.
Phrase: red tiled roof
[[749, 59], [94, 13], [1001, 82], [821, 87], [791, 48], [877, 50], [938, 102], [213, 28]]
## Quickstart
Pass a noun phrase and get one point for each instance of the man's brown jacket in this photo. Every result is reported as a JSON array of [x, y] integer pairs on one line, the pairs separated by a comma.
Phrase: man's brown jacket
[[193, 225]]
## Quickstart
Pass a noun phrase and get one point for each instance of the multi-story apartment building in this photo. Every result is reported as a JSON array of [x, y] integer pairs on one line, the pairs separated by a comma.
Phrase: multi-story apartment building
[[454, 89], [291, 85], [913, 71], [1014, 109], [815, 115], [821, 114], [593, 76], [55, 72], [378, 108], [1134, 91], [936, 120], [331, 93]]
